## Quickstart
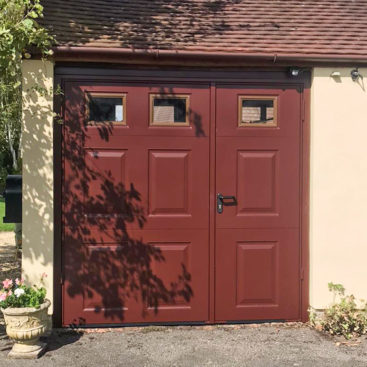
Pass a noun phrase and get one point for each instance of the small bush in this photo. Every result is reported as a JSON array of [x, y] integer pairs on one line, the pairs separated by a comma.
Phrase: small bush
[[344, 317], [3, 175]]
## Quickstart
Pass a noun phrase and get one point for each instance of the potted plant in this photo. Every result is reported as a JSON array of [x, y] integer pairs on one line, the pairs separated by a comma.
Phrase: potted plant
[[26, 319]]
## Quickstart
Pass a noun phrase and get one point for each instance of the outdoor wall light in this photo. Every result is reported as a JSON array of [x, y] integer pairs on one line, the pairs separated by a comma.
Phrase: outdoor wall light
[[355, 74], [335, 74], [294, 72]]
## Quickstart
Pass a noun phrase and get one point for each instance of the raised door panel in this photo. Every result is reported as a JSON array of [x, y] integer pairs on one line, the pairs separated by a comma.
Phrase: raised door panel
[[172, 176], [257, 265], [257, 275], [105, 189], [256, 182], [183, 266], [263, 175], [170, 183], [152, 276]]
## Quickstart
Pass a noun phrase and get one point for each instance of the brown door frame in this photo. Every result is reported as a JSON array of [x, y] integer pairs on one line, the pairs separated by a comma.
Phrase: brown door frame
[[246, 77]]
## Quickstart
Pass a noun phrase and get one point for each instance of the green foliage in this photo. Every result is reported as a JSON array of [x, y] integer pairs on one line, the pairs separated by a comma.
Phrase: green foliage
[[336, 289], [3, 174], [4, 227], [344, 317], [19, 31], [6, 166], [16, 294]]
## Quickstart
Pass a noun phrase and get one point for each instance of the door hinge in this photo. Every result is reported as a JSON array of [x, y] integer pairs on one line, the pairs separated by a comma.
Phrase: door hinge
[[302, 275]]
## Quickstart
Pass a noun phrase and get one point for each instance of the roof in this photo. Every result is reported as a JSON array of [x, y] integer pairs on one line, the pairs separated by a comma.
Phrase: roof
[[315, 28]]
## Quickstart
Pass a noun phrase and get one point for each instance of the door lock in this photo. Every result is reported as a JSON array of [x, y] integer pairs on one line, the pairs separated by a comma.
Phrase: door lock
[[225, 200]]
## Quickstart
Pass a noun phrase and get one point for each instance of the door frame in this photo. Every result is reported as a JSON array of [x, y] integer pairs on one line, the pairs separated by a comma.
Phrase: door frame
[[266, 77]]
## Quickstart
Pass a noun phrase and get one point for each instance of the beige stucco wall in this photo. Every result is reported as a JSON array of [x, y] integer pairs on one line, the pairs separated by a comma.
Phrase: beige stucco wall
[[338, 191], [37, 146]]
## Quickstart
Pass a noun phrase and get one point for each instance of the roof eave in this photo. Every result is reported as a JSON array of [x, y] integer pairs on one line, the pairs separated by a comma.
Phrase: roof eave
[[98, 54]]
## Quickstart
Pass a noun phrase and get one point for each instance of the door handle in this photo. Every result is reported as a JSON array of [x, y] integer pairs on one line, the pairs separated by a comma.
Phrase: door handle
[[225, 200]]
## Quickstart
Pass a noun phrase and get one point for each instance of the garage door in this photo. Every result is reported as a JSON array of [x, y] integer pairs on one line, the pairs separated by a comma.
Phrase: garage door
[[139, 205]]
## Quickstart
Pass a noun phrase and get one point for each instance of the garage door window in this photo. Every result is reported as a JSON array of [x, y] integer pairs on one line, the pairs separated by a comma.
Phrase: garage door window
[[107, 108], [169, 110], [256, 111]]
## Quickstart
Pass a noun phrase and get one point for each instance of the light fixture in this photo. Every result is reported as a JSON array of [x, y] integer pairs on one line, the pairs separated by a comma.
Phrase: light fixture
[[355, 74], [335, 74], [294, 72]]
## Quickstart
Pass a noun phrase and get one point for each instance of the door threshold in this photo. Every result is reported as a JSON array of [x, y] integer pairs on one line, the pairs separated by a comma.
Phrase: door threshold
[[181, 323]]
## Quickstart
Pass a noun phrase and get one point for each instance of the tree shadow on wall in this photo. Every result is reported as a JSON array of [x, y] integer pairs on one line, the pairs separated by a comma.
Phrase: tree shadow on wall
[[108, 266]]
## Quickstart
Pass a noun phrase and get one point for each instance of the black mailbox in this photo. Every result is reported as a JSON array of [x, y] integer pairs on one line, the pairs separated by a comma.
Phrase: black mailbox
[[13, 199]]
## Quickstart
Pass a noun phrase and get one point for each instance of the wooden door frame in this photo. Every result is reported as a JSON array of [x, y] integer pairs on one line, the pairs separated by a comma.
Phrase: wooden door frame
[[266, 77]]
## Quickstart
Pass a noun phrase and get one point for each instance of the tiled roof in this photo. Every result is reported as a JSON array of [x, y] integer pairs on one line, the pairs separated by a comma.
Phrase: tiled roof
[[256, 27]]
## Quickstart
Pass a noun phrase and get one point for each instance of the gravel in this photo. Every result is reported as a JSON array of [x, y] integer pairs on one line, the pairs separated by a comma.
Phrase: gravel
[[230, 345]]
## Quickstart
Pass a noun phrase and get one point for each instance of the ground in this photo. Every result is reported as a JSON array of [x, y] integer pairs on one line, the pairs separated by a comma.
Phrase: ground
[[9, 263], [268, 345], [252, 345]]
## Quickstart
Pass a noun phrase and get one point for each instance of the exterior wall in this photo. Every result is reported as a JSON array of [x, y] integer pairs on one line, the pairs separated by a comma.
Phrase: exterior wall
[[37, 146], [338, 191]]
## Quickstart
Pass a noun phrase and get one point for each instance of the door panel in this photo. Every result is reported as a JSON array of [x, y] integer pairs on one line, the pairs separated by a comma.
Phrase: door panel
[[105, 294], [135, 209], [257, 241], [261, 173], [257, 274]]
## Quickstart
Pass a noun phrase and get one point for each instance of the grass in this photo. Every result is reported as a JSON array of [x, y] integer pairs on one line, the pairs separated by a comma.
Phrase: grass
[[4, 227]]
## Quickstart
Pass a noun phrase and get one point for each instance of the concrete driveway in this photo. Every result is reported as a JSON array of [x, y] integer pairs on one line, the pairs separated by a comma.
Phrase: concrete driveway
[[239, 345]]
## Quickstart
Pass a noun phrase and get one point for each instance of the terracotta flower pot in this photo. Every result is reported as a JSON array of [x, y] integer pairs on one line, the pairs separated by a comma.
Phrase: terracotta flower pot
[[25, 325]]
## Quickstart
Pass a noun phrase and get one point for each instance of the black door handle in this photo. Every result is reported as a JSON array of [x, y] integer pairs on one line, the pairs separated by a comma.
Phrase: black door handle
[[225, 200]]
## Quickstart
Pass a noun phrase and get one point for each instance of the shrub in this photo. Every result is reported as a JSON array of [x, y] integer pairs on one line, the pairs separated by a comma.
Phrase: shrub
[[3, 176], [344, 317], [5, 166], [17, 294]]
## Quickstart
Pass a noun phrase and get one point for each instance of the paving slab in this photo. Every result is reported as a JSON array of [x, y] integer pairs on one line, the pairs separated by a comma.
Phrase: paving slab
[[238, 345], [7, 238]]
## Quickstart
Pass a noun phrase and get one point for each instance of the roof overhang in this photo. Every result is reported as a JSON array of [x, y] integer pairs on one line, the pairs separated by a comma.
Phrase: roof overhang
[[151, 56]]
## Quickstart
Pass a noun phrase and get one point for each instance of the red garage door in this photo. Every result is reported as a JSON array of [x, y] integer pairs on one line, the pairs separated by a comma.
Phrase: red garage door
[[137, 195]]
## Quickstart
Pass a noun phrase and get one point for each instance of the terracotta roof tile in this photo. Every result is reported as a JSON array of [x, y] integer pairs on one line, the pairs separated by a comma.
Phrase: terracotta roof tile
[[314, 27]]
